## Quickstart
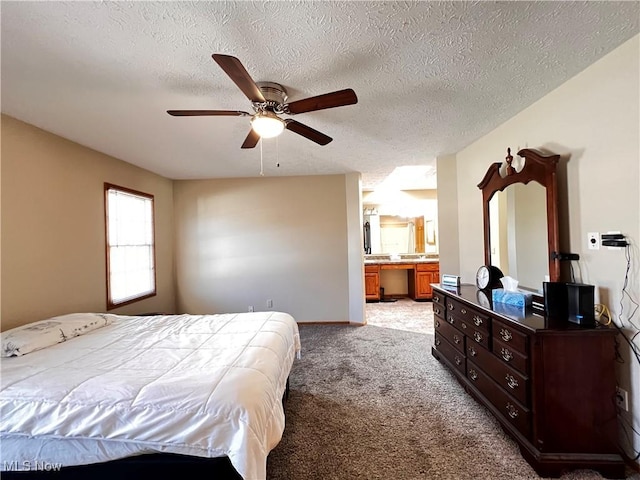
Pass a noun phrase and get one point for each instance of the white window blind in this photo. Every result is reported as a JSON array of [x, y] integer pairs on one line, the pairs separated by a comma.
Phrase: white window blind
[[130, 245]]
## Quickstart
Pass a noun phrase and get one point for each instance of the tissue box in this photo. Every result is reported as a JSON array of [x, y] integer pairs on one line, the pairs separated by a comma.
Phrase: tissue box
[[516, 299], [511, 311]]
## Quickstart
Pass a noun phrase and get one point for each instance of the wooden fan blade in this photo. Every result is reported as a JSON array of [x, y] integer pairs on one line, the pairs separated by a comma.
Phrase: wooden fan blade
[[328, 100], [195, 113], [240, 76], [307, 132], [252, 139]]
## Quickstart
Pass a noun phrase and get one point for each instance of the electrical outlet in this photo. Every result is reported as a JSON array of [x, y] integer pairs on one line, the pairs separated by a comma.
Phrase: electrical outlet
[[269, 303], [593, 240], [251, 308], [622, 399]]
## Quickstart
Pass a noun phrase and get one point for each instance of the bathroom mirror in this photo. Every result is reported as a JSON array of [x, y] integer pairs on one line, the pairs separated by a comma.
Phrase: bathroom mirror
[[400, 222], [520, 217]]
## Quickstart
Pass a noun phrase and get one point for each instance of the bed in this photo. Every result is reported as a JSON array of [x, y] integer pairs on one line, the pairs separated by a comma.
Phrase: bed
[[90, 388]]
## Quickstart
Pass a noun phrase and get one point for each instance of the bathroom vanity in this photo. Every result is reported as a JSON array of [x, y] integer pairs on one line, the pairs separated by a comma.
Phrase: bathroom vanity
[[422, 271]]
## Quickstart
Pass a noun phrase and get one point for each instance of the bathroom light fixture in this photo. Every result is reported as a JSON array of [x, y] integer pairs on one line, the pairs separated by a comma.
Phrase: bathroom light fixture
[[267, 124]]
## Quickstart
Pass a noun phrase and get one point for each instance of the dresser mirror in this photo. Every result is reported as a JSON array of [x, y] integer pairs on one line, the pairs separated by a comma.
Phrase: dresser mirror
[[520, 216]]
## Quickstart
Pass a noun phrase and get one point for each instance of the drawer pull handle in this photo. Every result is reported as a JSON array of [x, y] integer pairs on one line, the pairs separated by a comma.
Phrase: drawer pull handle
[[473, 375], [437, 342], [451, 320], [505, 335], [458, 361], [436, 311], [464, 312], [477, 320], [456, 339], [436, 299], [464, 326], [472, 352], [512, 382], [437, 323], [512, 411], [477, 337], [451, 307], [506, 354]]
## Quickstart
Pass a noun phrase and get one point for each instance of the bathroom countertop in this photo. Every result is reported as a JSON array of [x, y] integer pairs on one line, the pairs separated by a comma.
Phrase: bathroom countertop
[[387, 260]]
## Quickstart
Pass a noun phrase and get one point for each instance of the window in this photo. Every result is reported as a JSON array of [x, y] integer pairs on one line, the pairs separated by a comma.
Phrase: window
[[131, 272]]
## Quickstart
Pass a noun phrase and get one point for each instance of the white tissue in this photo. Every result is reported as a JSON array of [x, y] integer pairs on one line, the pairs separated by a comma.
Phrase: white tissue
[[510, 284]]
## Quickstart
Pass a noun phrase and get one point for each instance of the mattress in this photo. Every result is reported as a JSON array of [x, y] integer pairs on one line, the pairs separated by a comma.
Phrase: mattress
[[200, 385]]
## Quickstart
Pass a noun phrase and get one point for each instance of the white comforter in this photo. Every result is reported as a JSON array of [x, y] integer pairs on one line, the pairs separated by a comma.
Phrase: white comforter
[[206, 386]]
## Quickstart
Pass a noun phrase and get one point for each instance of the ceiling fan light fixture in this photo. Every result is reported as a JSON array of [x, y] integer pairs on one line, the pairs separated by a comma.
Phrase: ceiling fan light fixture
[[268, 100], [267, 124]]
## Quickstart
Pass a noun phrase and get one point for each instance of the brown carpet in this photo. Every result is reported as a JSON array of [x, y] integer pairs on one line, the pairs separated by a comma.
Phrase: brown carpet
[[372, 403]]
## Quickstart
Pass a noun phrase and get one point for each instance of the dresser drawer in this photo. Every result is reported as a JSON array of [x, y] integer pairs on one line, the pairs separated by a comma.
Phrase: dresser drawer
[[516, 340], [438, 301], [371, 268], [511, 409], [439, 308], [475, 318], [479, 320], [508, 378], [452, 334], [507, 354], [453, 308], [451, 354], [474, 334]]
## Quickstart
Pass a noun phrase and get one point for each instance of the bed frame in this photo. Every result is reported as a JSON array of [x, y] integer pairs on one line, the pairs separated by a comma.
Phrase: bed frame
[[156, 466]]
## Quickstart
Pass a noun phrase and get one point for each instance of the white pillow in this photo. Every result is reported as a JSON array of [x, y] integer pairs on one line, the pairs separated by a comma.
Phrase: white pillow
[[44, 333]]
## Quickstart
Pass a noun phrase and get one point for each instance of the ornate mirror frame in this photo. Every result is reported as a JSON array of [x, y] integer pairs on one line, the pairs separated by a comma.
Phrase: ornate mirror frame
[[538, 167]]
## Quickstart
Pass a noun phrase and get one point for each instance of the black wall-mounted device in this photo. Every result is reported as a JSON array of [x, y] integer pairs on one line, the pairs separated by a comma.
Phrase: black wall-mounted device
[[613, 240], [614, 243], [571, 301]]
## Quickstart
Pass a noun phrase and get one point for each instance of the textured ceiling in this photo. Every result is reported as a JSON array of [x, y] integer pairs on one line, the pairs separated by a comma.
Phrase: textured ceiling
[[431, 77]]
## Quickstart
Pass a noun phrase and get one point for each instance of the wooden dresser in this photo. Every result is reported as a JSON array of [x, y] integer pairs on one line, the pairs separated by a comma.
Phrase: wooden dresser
[[550, 384]]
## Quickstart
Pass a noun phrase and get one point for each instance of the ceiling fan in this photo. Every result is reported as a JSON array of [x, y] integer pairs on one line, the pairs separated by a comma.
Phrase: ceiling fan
[[269, 101]]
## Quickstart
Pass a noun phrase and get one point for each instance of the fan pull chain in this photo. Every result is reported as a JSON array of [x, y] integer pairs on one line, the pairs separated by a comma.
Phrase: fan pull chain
[[261, 164], [277, 153]]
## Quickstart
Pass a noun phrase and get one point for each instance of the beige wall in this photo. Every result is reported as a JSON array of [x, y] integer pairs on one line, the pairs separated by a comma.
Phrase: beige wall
[[593, 121], [355, 242], [53, 243], [240, 242], [448, 238], [295, 240]]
